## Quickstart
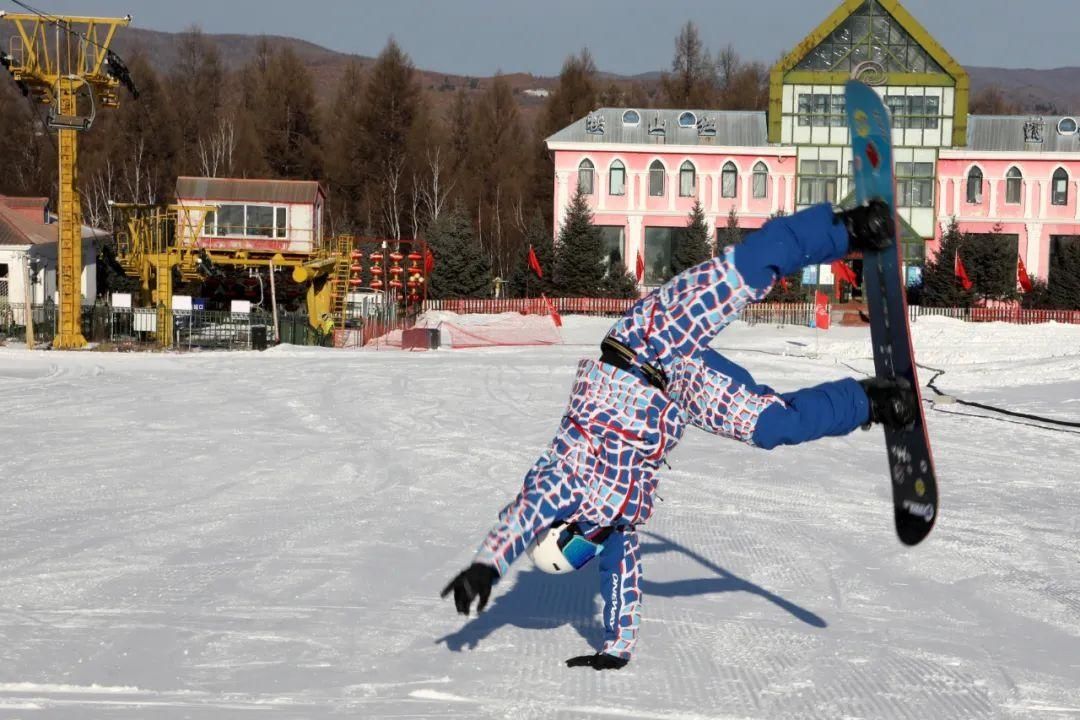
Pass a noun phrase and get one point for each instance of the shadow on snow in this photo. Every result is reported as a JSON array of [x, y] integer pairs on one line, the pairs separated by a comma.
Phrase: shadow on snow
[[539, 601]]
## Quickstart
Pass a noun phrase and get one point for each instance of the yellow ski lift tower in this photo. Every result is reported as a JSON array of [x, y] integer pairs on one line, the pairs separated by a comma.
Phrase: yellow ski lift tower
[[65, 63]]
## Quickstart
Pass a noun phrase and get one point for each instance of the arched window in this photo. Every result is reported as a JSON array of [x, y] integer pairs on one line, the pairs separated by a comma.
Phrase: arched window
[[1059, 188], [617, 178], [974, 186], [687, 120], [687, 179], [761, 180], [1013, 180], [729, 180], [631, 117], [656, 179], [585, 177]]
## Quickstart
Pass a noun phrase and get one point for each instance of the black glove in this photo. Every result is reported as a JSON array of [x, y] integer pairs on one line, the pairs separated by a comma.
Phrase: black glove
[[893, 403], [474, 581], [869, 226], [599, 661]]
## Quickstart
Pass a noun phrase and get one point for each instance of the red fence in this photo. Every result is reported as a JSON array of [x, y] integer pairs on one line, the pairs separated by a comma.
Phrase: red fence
[[1014, 315], [761, 313]]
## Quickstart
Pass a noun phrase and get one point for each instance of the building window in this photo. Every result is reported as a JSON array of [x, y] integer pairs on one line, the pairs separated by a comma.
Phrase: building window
[[660, 244], [729, 180], [1013, 180], [617, 178], [761, 180], [974, 186], [1059, 191], [914, 112], [817, 181], [3, 281], [255, 221], [656, 179], [822, 110], [915, 184], [687, 179], [631, 118], [687, 120], [585, 177], [611, 240]]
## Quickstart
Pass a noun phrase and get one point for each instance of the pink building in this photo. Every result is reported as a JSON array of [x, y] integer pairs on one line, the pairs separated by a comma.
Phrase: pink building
[[642, 169]]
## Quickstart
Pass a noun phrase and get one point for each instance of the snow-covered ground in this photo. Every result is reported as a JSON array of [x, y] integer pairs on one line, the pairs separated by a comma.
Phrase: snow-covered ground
[[245, 535]]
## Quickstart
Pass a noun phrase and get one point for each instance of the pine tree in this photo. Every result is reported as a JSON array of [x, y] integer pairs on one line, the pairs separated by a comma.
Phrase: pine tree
[[733, 234], [941, 288], [573, 98], [990, 261], [197, 87], [694, 246], [692, 81], [461, 269], [1063, 280], [523, 281], [579, 253], [344, 171], [618, 282]]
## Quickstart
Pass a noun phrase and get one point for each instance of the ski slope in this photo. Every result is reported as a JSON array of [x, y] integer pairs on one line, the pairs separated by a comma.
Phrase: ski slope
[[266, 534]]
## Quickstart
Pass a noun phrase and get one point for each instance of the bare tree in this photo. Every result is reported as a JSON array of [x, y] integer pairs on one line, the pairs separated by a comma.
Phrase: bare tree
[[216, 148], [433, 194], [393, 169]]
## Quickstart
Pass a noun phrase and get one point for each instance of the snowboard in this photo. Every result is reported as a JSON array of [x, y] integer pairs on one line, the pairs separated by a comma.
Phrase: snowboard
[[911, 463]]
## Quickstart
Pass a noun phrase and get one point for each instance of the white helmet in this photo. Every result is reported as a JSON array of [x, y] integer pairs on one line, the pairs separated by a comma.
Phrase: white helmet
[[562, 548]]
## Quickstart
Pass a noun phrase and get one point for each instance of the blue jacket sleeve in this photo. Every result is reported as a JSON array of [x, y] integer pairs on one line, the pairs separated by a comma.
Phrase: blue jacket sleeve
[[786, 244], [834, 408]]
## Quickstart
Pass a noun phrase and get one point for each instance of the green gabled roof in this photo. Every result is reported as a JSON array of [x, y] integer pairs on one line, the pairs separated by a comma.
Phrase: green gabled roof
[[908, 53]]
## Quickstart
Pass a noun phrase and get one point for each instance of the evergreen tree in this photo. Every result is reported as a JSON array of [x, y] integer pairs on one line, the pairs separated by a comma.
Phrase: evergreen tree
[[1039, 298], [692, 81], [498, 152], [461, 268], [579, 253], [618, 282], [1063, 280], [941, 288], [523, 281], [197, 87], [694, 246], [573, 98], [733, 234], [990, 261], [344, 170]]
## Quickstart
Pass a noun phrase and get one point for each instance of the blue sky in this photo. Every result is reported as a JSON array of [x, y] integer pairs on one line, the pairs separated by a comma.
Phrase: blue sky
[[625, 36]]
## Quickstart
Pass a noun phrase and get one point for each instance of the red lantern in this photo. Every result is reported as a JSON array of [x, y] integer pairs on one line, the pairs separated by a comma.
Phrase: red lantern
[[415, 257], [396, 284], [355, 282], [396, 270], [357, 268], [376, 269], [376, 284], [376, 257], [356, 255], [396, 256]]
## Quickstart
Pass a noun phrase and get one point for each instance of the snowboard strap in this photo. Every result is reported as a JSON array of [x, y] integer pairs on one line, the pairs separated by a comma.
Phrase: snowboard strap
[[614, 353]]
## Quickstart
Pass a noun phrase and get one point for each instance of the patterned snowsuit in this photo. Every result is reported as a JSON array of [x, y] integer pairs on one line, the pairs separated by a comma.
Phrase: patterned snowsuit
[[601, 468]]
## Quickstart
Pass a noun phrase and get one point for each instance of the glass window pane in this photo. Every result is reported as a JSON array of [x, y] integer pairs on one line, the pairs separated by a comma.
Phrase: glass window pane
[[281, 225], [260, 221], [209, 223], [686, 182], [611, 239], [658, 251], [761, 183], [656, 182], [230, 220], [729, 182], [617, 181]]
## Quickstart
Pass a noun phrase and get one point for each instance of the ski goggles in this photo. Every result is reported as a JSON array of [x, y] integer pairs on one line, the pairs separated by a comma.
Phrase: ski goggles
[[577, 550]]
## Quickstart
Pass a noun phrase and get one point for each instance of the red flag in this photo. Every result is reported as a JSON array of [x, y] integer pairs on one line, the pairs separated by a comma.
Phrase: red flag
[[960, 272], [821, 311], [534, 263], [640, 267], [555, 316], [429, 262], [784, 283], [1022, 276], [846, 274]]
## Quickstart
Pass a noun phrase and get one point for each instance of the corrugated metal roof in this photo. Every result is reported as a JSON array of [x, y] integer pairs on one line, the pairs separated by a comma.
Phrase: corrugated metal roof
[[237, 190], [17, 229], [732, 128], [1006, 133]]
